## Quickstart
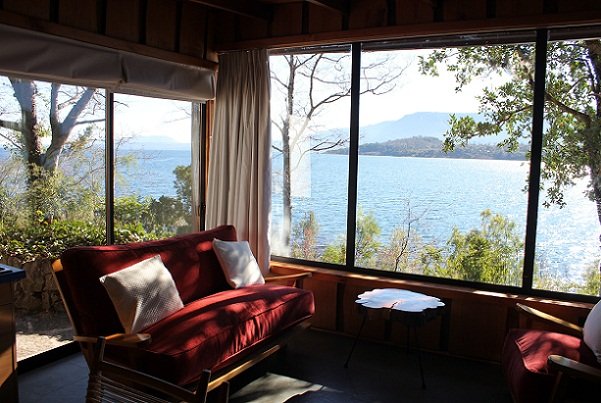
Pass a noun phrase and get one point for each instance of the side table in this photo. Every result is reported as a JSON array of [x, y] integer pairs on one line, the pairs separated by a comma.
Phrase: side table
[[407, 307]]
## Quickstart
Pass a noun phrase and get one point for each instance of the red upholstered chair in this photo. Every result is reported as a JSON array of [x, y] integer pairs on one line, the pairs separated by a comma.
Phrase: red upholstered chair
[[546, 366]]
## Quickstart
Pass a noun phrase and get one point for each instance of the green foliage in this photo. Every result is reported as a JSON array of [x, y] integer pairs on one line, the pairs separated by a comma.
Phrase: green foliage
[[47, 240], [592, 281], [71, 215], [366, 243], [490, 254], [183, 186]]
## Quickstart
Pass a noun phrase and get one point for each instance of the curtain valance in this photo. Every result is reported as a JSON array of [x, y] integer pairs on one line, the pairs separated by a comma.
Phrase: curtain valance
[[37, 56]]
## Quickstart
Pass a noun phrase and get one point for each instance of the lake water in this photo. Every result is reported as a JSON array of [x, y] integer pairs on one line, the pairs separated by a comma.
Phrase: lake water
[[440, 193]]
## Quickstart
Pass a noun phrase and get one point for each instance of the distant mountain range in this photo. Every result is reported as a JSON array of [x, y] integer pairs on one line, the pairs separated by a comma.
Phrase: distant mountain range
[[153, 143], [421, 135], [421, 124], [431, 147]]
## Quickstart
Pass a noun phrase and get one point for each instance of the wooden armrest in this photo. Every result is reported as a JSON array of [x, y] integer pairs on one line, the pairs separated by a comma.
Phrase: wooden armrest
[[119, 339], [550, 318], [288, 278], [574, 368]]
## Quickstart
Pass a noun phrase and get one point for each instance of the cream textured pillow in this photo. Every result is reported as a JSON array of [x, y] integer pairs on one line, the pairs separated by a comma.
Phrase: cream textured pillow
[[142, 294], [591, 331], [238, 263]]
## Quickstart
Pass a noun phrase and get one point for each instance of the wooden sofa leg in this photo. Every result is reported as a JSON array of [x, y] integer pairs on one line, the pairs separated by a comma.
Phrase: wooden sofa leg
[[202, 387], [221, 394]]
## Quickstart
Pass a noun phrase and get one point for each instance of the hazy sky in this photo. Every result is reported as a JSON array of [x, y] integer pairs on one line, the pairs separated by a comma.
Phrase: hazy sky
[[413, 93]]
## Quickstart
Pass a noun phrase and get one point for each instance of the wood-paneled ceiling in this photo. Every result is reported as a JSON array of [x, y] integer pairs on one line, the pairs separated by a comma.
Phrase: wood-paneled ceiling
[[264, 9], [194, 31]]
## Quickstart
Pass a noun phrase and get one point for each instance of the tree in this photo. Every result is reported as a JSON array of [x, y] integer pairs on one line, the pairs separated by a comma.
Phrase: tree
[[366, 243], [25, 127], [305, 238], [572, 138], [309, 83], [489, 254], [404, 242]]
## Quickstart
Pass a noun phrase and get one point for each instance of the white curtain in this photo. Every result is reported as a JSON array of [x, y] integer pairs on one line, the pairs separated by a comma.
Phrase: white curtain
[[239, 183]]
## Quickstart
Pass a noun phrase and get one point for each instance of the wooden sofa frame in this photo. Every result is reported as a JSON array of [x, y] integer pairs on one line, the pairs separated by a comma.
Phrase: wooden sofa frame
[[219, 380]]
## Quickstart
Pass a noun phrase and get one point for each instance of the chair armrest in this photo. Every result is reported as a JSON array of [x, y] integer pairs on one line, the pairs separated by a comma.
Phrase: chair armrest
[[549, 318], [574, 368], [291, 279], [119, 339]]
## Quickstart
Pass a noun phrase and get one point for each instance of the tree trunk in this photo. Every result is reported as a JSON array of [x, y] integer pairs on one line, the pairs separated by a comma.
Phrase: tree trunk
[[25, 94], [287, 174]]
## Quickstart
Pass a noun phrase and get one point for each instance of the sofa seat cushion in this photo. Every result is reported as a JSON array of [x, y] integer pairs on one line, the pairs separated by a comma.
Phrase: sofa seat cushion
[[214, 331], [524, 361]]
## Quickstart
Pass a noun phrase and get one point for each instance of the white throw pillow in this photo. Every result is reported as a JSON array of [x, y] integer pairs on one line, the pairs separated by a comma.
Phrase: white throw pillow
[[142, 294], [592, 330], [238, 263]]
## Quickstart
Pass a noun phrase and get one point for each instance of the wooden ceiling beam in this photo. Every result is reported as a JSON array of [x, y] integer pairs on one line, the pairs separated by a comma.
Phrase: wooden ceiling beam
[[252, 9]]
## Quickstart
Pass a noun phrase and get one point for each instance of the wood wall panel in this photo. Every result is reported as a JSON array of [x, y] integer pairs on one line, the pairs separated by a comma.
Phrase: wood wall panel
[[368, 14], [323, 19], [81, 14], [576, 6], [514, 8], [123, 19], [161, 24], [459, 10], [225, 29], [325, 310], [473, 325], [193, 30], [478, 330], [287, 20], [252, 28], [31, 8], [414, 12]]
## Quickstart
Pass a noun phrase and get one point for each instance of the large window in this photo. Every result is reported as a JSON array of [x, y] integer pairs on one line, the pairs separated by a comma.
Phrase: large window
[[153, 186], [53, 185], [447, 163], [51, 195], [310, 115], [456, 213]]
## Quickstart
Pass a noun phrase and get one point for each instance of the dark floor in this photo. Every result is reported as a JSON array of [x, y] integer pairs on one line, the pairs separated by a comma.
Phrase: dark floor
[[312, 370]]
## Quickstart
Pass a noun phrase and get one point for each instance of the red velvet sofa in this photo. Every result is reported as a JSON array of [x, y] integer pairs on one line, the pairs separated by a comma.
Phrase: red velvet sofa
[[217, 327]]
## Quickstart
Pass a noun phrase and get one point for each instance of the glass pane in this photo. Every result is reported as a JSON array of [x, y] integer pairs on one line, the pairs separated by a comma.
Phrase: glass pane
[[153, 177], [51, 195], [441, 170], [567, 242], [310, 109]]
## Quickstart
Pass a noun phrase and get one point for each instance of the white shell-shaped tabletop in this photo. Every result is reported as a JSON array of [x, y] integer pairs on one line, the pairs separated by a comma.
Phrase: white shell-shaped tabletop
[[401, 300]]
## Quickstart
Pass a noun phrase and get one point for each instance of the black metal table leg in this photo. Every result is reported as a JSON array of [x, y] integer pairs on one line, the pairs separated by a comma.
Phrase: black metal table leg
[[419, 357], [356, 340]]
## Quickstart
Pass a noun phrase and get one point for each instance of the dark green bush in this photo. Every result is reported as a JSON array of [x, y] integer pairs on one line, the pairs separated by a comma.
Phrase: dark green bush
[[49, 240]]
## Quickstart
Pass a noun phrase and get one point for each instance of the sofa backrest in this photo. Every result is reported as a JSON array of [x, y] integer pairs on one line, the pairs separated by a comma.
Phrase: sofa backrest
[[189, 258]]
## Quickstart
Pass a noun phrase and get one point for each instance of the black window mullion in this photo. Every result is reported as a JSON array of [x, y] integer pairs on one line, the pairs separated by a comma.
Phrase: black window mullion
[[351, 222], [203, 166], [535, 157], [109, 165]]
